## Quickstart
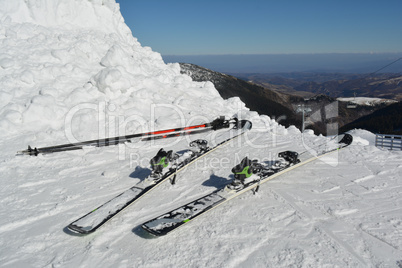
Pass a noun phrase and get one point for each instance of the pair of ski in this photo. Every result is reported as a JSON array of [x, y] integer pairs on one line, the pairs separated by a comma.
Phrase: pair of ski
[[176, 218], [93, 220]]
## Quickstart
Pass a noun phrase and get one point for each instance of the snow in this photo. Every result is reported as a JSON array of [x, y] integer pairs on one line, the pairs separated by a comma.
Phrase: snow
[[363, 137], [71, 70], [367, 101]]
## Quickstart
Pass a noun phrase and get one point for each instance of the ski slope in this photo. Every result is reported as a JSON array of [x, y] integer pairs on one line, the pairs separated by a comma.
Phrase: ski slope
[[72, 70]]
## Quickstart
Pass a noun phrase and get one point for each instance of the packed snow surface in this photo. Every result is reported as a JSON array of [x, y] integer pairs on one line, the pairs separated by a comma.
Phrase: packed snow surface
[[71, 70]]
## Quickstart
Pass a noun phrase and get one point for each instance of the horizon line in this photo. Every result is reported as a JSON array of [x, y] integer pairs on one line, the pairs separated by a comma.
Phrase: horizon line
[[276, 54]]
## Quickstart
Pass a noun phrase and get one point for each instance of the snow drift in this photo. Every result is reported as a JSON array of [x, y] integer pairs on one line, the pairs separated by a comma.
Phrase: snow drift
[[69, 66]]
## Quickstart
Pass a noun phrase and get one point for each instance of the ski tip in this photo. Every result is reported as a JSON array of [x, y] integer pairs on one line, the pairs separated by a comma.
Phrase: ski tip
[[72, 232], [347, 139], [246, 124], [76, 230]]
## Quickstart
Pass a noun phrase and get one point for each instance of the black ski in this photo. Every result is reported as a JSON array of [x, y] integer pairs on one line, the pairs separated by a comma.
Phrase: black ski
[[90, 222], [252, 175]]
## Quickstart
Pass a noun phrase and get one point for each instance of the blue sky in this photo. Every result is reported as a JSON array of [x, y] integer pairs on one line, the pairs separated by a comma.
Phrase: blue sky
[[217, 27]]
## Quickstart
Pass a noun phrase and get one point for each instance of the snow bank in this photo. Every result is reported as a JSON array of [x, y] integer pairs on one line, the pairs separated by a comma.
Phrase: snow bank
[[73, 68], [363, 137], [102, 15]]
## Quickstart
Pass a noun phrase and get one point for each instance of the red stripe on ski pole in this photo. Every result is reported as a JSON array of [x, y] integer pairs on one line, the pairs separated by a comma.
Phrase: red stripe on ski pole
[[173, 130]]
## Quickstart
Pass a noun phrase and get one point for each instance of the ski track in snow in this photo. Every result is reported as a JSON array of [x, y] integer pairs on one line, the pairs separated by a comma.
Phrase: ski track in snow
[[355, 189], [319, 227]]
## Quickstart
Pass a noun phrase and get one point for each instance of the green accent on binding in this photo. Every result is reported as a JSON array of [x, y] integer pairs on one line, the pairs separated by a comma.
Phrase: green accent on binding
[[245, 172], [162, 162], [187, 220], [165, 163]]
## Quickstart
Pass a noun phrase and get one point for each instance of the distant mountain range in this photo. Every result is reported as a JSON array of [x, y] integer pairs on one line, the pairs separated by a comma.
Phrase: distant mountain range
[[287, 63], [336, 85], [257, 98], [279, 96]]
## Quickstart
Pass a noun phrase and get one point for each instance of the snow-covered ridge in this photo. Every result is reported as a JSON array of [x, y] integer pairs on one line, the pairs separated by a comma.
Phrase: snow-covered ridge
[[367, 101], [66, 65]]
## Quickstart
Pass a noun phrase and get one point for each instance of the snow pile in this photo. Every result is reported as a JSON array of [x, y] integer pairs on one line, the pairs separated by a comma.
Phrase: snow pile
[[363, 137], [100, 15], [367, 101], [73, 68]]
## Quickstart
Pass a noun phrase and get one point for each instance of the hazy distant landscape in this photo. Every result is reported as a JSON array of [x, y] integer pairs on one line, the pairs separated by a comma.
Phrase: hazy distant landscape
[[309, 84], [273, 84], [371, 101], [287, 63]]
